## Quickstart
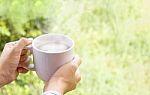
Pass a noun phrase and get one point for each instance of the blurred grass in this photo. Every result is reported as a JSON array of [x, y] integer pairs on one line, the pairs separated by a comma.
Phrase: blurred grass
[[112, 37]]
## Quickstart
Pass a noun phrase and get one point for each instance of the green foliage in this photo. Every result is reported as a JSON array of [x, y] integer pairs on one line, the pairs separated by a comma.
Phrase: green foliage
[[24, 18], [9, 33], [115, 50]]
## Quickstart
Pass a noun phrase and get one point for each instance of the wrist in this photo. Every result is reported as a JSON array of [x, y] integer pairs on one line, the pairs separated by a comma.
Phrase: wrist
[[55, 84]]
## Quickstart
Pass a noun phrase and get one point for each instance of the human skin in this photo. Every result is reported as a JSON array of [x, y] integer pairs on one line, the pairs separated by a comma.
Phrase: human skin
[[13, 55], [65, 78]]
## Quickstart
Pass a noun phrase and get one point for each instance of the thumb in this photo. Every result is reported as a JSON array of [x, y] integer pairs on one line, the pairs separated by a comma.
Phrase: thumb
[[76, 61], [23, 42], [78, 75]]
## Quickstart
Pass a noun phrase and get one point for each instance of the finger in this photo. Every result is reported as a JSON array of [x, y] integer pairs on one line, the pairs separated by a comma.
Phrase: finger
[[76, 61], [24, 51], [23, 58], [78, 75], [23, 42], [11, 44], [22, 70], [24, 63]]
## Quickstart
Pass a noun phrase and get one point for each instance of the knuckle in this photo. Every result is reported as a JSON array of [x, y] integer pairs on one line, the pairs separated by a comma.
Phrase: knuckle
[[7, 44], [73, 68], [22, 40], [78, 58]]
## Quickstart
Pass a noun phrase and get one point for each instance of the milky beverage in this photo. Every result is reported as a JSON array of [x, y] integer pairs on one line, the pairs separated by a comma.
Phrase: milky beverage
[[56, 46], [50, 52]]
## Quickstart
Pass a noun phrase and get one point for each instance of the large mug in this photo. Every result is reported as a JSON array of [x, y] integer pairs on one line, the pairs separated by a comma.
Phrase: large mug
[[46, 63]]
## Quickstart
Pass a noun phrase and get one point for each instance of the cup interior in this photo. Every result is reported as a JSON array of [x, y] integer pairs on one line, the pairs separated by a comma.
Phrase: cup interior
[[53, 38]]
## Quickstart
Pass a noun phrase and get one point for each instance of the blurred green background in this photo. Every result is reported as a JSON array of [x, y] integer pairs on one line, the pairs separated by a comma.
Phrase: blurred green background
[[112, 37]]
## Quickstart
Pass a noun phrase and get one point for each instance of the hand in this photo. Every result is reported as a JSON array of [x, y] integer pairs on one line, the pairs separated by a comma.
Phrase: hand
[[65, 78], [13, 55]]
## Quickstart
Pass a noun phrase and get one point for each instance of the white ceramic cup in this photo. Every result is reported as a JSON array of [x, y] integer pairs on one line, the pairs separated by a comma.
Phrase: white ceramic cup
[[46, 63]]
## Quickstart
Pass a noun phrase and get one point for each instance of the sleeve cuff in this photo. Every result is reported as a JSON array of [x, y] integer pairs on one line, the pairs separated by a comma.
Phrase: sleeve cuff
[[51, 93]]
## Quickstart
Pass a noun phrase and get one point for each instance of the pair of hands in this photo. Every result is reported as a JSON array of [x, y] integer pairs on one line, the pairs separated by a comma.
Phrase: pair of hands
[[64, 79]]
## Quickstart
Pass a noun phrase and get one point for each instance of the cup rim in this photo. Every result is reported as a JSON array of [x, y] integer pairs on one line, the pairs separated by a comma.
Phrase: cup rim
[[57, 34]]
